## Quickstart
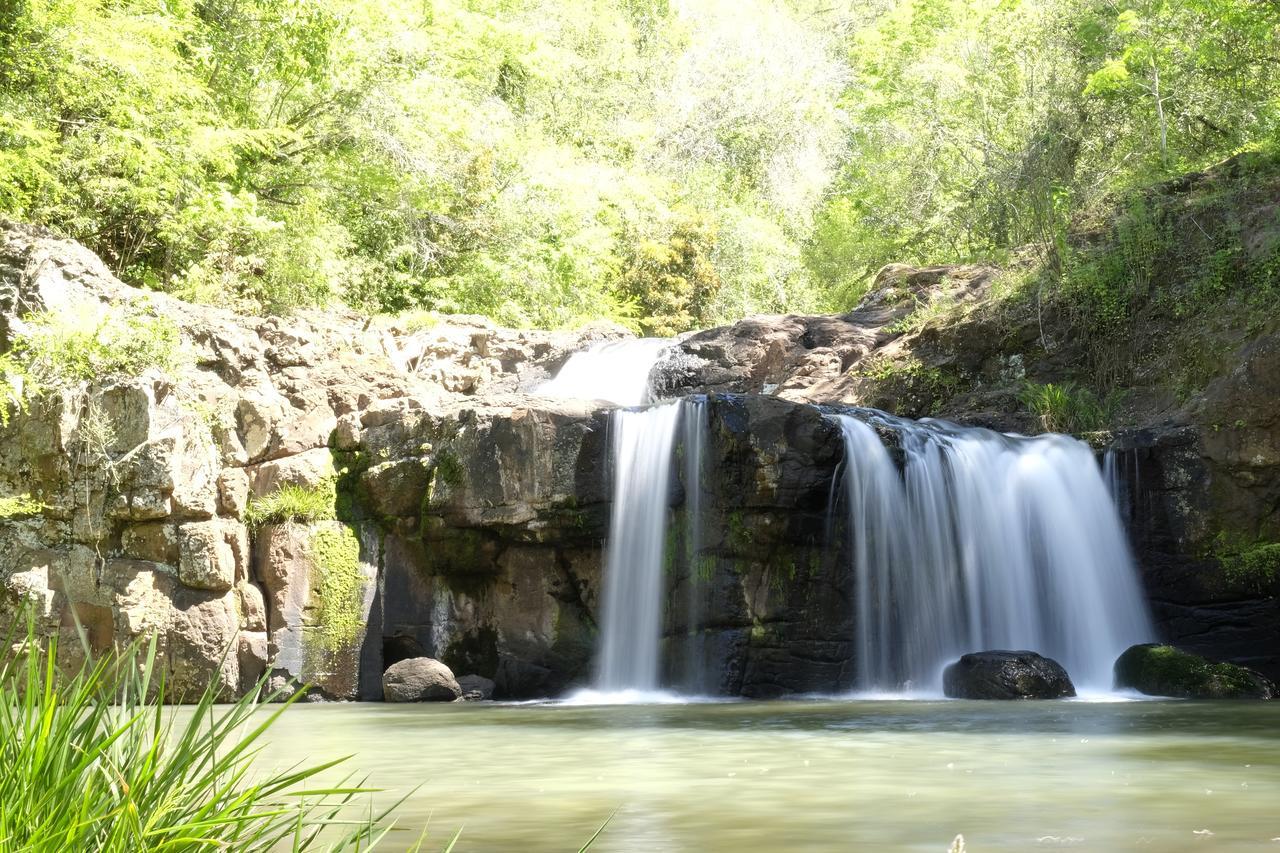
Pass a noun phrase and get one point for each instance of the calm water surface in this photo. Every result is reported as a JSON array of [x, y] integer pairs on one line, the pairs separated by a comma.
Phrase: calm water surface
[[810, 776]]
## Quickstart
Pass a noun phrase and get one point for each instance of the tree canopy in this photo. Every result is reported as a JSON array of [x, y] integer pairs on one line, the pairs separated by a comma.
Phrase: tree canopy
[[665, 163]]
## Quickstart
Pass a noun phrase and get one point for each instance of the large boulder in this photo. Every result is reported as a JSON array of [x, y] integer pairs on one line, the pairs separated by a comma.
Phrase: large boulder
[[1160, 670], [1006, 675], [420, 680]]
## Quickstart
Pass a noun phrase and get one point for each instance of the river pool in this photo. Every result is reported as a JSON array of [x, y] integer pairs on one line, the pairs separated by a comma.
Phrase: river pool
[[813, 775]]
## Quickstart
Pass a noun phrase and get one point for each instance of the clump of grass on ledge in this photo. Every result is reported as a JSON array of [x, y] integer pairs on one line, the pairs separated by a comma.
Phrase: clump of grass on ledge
[[292, 503], [1068, 407], [94, 761]]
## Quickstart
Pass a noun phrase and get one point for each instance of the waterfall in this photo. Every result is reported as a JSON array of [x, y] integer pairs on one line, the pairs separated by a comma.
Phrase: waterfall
[[694, 430], [631, 618], [634, 593], [983, 541], [614, 371]]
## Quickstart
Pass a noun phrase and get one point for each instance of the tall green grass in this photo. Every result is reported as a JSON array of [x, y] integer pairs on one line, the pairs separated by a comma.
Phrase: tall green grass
[[93, 761], [1068, 407]]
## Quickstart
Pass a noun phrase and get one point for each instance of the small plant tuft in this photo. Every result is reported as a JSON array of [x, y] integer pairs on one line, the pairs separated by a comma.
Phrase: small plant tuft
[[293, 504], [1068, 407]]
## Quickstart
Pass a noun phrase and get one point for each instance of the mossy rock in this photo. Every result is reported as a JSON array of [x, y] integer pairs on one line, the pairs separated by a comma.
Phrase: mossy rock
[[1159, 670]]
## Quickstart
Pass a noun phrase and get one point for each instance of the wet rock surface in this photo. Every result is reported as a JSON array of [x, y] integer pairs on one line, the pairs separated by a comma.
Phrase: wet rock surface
[[1162, 670], [1006, 675]]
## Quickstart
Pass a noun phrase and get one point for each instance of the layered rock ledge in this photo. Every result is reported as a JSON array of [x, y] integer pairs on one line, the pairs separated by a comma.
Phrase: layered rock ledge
[[466, 516]]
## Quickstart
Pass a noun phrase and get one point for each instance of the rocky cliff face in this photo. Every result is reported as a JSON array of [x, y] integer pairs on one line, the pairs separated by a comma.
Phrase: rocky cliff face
[[138, 491], [466, 518]]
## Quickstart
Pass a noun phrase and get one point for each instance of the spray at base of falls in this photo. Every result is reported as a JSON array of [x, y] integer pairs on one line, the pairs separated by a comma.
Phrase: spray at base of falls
[[983, 541]]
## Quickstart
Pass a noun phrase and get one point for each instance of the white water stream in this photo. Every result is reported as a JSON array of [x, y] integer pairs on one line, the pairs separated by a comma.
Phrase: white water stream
[[973, 541], [631, 618], [613, 371], [984, 541]]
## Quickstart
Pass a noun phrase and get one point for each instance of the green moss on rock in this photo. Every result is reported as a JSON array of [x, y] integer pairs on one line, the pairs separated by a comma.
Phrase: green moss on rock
[[1160, 670], [340, 587], [20, 506], [1254, 568]]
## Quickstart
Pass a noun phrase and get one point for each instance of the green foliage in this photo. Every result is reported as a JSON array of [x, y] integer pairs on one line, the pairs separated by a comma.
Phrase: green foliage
[[665, 165], [1069, 408], [293, 503], [1248, 566], [340, 591], [64, 348], [672, 281], [91, 760], [517, 159], [19, 506], [977, 127]]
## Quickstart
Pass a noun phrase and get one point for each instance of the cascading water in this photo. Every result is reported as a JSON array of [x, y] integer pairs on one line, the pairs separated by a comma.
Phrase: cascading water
[[632, 614], [614, 371], [631, 618], [693, 434], [983, 541]]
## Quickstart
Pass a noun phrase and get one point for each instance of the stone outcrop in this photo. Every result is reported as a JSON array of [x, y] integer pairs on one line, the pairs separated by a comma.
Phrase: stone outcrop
[[1160, 670], [469, 515], [1006, 675], [143, 484], [814, 358], [420, 680]]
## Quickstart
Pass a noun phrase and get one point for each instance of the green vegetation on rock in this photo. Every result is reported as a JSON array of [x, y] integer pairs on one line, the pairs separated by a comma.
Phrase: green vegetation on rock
[[1254, 567], [1068, 407], [293, 503], [20, 506], [339, 592], [1168, 671], [53, 350]]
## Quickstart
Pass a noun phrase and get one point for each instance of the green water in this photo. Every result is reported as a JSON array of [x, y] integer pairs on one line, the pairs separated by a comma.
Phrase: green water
[[810, 776]]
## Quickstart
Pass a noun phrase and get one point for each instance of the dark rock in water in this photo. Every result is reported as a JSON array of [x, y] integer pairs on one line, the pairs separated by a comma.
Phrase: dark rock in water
[[1006, 675], [420, 680], [476, 686], [1160, 670]]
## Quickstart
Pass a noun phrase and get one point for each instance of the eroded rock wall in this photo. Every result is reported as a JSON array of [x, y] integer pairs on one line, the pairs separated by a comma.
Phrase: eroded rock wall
[[469, 518], [137, 491]]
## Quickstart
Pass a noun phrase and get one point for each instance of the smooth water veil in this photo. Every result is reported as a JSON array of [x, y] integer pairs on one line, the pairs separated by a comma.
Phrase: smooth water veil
[[694, 676], [631, 618], [984, 541]]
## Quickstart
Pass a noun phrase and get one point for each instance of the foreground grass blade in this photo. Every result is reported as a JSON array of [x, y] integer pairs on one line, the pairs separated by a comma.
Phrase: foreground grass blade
[[90, 759]]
